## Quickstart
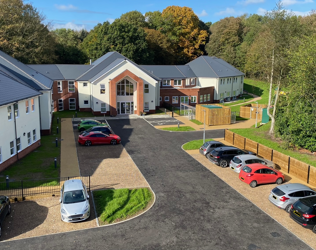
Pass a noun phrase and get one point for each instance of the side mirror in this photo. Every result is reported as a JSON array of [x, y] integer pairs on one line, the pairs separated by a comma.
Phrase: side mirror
[[88, 196]]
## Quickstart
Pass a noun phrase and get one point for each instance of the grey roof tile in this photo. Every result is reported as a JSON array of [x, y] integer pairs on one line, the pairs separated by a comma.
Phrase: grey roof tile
[[72, 72], [49, 70], [108, 68], [164, 71]]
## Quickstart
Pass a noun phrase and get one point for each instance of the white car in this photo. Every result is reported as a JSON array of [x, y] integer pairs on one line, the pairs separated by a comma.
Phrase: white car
[[239, 161], [74, 201]]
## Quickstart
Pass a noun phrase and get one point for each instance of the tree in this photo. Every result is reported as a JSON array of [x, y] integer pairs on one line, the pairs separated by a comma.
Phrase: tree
[[23, 34], [154, 20], [134, 17]]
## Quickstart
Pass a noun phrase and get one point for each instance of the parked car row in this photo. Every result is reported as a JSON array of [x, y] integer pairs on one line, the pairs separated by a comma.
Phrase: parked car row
[[297, 199], [94, 132]]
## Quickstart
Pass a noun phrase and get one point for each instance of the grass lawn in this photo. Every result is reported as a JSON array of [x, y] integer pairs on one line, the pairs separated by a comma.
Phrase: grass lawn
[[245, 98], [238, 118], [113, 205], [197, 122], [261, 135], [184, 128], [194, 144]]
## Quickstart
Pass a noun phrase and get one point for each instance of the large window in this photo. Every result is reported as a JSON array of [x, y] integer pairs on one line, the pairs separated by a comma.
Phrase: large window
[[34, 135], [32, 104], [72, 104], [166, 98], [126, 88], [193, 99], [27, 108], [29, 140], [205, 96], [175, 99], [177, 82], [103, 107], [146, 88], [102, 89], [166, 83], [9, 112], [71, 87], [18, 144], [12, 151], [201, 98], [146, 106], [16, 110], [60, 105], [208, 97], [60, 87]]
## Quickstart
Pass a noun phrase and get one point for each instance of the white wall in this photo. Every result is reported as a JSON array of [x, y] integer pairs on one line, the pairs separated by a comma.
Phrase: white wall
[[84, 93], [228, 87], [24, 123], [208, 82], [46, 109]]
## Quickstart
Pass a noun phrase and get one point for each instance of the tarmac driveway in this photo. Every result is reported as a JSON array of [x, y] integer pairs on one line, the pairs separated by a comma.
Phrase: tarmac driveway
[[194, 208]]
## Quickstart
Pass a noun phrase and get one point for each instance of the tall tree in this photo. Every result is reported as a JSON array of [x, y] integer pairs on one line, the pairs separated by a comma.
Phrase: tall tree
[[23, 34], [134, 17], [154, 20]]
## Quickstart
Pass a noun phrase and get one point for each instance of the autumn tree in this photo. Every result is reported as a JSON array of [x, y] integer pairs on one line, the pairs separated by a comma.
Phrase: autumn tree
[[154, 20], [23, 34]]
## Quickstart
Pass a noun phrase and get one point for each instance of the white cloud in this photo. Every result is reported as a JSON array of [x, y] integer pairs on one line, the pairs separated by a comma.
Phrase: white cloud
[[72, 8], [299, 13], [203, 13], [66, 7], [228, 11], [69, 25], [246, 2], [261, 11], [291, 2], [111, 20]]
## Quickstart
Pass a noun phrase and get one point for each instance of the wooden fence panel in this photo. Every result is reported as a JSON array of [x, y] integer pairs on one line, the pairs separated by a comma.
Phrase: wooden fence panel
[[299, 169], [264, 152], [239, 141], [281, 161], [229, 136], [251, 145], [312, 176]]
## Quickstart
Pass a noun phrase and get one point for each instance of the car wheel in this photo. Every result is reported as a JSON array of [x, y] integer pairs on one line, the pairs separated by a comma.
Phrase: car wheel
[[113, 142], [81, 130], [223, 163], [288, 208], [314, 229], [279, 181], [9, 210], [253, 184], [88, 143]]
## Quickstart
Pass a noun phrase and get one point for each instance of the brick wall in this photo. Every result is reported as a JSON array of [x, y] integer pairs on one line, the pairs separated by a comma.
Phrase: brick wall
[[65, 95]]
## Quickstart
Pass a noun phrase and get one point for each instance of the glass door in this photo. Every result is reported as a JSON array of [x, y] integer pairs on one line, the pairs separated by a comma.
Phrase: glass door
[[122, 107], [132, 108], [128, 108]]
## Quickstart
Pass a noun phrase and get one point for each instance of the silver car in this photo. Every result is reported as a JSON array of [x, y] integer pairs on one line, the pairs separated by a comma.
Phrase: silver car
[[208, 146], [285, 195], [74, 201], [239, 161]]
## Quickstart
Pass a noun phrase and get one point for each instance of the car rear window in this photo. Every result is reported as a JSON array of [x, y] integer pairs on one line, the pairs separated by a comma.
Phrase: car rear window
[[247, 169], [205, 145], [215, 153], [236, 160], [278, 192], [302, 207]]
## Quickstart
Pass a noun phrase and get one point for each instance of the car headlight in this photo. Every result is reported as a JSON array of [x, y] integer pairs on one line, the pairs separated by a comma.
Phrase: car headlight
[[86, 209], [63, 211]]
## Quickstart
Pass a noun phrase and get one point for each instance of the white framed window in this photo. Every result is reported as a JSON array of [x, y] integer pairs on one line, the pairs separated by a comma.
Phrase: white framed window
[[34, 135], [103, 107], [12, 151], [166, 83], [208, 97], [187, 82], [193, 99], [0, 155], [85, 84], [146, 106], [221, 81], [71, 87], [27, 108], [60, 87], [192, 81], [16, 110], [205, 96], [201, 98], [166, 98], [72, 103], [177, 82], [18, 144], [60, 104], [33, 105], [175, 99], [29, 140], [184, 99], [146, 88], [234, 93], [9, 112], [160, 98], [125, 88], [86, 102], [102, 89]]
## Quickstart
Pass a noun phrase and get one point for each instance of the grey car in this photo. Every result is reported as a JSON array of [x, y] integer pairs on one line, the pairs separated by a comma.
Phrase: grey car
[[239, 161], [285, 195], [74, 201], [208, 146]]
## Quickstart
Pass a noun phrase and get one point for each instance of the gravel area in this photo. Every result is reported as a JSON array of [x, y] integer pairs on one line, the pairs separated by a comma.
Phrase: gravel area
[[40, 217], [259, 197]]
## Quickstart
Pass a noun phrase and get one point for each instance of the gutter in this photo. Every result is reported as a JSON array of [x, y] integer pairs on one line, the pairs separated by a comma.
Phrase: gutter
[[17, 153]]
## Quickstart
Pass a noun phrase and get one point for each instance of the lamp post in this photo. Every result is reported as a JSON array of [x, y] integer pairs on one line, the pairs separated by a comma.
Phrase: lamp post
[[204, 128], [256, 114]]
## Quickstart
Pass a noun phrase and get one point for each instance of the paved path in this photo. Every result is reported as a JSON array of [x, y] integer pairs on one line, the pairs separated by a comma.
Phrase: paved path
[[256, 98], [194, 208]]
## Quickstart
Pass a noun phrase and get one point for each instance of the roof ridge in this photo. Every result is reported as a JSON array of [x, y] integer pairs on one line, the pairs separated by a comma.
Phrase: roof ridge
[[210, 66], [60, 71], [180, 70], [24, 71]]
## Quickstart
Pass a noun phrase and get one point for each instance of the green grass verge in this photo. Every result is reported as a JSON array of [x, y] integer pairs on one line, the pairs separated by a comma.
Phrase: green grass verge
[[244, 98], [238, 118], [197, 122], [261, 135], [114, 205], [184, 128], [194, 144]]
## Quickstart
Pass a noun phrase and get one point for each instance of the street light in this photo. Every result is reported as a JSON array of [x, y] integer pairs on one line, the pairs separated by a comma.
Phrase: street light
[[256, 114], [204, 128]]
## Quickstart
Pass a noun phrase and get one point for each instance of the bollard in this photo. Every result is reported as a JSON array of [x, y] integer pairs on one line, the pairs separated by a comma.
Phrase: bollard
[[178, 124], [56, 142], [7, 180], [165, 111], [55, 162], [172, 113], [57, 120], [76, 114], [57, 130]]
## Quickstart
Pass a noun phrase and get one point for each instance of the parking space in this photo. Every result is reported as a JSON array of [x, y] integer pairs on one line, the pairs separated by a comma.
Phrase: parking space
[[259, 197], [40, 217], [163, 121]]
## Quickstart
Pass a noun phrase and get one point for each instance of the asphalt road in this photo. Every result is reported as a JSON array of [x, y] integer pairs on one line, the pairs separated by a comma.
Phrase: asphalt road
[[163, 121], [194, 208]]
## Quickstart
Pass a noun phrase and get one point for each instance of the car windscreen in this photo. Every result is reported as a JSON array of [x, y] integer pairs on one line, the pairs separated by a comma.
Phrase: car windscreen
[[302, 207], [236, 160], [205, 145], [85, 133], [247, 169], [278, 192], [74, 197]]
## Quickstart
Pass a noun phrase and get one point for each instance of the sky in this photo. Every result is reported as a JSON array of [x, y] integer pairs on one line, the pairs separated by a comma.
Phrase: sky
[[85, 14]]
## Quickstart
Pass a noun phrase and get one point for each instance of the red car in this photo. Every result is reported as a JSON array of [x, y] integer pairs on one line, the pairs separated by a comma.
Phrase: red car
[[95, 137], [254, 174]]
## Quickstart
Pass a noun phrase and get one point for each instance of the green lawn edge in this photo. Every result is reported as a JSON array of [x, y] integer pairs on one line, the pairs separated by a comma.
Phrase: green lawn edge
[[196, 144], [182, 129]]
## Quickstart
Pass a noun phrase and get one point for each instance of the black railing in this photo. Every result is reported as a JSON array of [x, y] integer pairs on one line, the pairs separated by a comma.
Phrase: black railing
[[41, 187]]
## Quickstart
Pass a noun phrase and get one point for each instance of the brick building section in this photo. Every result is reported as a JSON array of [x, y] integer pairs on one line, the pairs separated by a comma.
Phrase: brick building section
[[65, 95], [140, 92], [186, 92], [21, 154]]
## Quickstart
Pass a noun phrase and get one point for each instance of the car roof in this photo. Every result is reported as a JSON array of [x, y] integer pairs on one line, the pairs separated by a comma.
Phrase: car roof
[[225, 148], [293, 187], [90, 120], [74, 184], [247, 157], [255, 166], [309, 201]]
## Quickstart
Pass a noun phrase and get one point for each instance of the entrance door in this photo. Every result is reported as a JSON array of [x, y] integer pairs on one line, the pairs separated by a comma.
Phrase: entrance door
[[125, 108], [122, 107], [128, 108]]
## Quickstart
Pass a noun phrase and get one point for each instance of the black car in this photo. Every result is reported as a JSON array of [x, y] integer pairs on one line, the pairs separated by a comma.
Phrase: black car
[[223, 155], [104, 129], [303, 212], [208, 146], [5, 209]]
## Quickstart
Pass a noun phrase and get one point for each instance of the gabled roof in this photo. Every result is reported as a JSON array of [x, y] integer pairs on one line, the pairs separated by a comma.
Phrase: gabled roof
[[72, 72], [13, 91], [25, 73], [205, 66], [49, 70], [167, 71]]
